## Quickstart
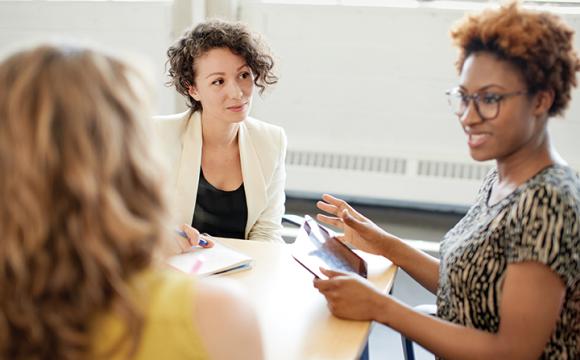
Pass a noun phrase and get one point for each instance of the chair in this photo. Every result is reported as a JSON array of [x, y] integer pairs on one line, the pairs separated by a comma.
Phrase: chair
[[292, 219], [408, 351], [290, 232]]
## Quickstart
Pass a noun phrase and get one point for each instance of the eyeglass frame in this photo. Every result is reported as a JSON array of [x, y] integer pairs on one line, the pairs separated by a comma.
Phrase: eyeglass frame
[[475, 97]]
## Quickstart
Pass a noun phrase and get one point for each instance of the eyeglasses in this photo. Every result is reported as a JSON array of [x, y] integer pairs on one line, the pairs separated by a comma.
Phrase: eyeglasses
[[486, 103]]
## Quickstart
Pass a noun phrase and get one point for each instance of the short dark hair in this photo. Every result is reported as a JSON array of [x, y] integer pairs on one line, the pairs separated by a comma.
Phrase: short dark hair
[[539, 44], [212, 34]]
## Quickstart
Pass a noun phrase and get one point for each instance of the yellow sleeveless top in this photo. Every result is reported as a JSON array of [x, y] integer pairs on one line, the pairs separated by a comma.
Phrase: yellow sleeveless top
[[167, 299]]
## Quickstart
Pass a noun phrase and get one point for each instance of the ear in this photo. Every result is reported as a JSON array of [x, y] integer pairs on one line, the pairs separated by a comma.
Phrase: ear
[[543, 102], [193, 92]]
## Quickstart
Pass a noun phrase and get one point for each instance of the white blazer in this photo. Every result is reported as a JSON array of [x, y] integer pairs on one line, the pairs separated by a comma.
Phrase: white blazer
[[262, 156]]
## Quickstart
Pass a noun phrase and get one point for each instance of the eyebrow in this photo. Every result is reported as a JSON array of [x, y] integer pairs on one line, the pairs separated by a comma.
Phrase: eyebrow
[[223, 73], [485, 87]]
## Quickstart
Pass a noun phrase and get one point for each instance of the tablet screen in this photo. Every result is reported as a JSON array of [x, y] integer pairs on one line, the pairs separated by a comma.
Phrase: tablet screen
[[315, 247]]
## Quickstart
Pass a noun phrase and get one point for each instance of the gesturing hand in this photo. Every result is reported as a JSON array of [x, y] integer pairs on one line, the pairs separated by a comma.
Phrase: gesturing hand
[[359, 231]]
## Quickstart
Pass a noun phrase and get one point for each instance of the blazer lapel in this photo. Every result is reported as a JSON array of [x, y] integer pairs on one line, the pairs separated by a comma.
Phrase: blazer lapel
[[189, 165], [254, 183]]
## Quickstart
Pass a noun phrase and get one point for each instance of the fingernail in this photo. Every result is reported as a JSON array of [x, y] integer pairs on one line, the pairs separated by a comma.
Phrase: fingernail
[[202, 242]]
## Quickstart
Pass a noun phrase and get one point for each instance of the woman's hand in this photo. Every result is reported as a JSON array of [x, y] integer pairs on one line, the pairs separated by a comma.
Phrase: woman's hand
[[192, 238], [350, 296], [359, 231]]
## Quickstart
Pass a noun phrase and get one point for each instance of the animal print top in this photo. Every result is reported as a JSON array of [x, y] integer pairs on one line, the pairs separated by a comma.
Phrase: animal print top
[[539, 221]]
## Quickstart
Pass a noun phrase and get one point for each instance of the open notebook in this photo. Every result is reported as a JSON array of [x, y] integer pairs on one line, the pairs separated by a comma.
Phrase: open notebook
[[215, 260]]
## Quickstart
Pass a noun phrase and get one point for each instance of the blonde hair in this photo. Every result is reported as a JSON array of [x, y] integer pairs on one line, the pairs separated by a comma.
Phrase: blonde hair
[[82, 206]]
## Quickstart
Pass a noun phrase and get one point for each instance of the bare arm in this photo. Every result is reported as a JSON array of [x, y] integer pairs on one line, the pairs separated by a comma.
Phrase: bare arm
[[228, 324], [422, 267], [530, 306], [362, 233]]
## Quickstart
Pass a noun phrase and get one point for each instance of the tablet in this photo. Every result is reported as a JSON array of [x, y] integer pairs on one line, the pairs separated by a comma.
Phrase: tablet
[[316, 247]]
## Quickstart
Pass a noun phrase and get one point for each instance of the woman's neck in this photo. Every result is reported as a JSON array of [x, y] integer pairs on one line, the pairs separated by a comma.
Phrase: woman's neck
[[518, 167], [219, 134]]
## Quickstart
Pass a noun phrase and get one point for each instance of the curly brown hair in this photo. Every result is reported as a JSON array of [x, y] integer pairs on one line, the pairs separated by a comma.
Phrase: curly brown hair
[[539, 44], [194, 43], [83, 206]]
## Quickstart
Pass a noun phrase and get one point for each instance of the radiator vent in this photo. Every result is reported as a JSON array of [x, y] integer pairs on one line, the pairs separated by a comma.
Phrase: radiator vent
[[347, 162], [387, 165], [452, 170]]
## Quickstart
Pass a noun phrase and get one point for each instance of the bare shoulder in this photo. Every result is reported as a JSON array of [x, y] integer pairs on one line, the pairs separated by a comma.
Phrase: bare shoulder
[[221, 293], [224, 315]]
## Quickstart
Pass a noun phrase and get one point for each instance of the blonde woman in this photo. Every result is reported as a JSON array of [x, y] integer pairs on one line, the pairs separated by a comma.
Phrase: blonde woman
[[83, 213], [228, 168]]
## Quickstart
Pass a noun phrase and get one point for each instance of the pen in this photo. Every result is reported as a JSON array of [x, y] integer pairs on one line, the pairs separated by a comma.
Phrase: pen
[[202, 241]]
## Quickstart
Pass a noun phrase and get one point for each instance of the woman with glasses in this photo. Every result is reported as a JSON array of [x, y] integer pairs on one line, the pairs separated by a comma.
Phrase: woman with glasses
[[507, 283]]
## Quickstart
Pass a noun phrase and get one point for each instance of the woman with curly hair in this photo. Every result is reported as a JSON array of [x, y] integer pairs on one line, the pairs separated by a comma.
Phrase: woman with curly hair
[[83, 215], [228, 168], [507, 283]]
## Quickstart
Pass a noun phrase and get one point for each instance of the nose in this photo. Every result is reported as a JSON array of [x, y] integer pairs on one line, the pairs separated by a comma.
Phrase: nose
[[470, 116], [235, 90]]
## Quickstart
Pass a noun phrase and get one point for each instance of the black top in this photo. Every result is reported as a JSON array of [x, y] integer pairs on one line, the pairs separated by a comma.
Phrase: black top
[[218, 212]]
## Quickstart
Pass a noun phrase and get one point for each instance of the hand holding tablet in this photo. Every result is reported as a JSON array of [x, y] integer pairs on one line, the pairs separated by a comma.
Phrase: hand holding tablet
[[316, 247]]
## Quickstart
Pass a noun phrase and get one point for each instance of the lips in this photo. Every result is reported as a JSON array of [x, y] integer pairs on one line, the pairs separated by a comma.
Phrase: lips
[[237, 108], [476, 140]]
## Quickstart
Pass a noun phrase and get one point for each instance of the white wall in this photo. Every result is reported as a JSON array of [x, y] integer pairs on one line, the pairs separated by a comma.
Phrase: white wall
[[370, 81], [364, 84], [142, 28]]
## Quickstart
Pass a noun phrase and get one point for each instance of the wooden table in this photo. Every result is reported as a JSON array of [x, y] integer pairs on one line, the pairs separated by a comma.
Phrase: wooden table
[[294, 320]]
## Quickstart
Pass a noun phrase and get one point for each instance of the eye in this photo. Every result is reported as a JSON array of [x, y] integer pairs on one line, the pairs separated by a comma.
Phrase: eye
[[490, 98], [245, 75], [464, 98], [218, 82]]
